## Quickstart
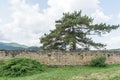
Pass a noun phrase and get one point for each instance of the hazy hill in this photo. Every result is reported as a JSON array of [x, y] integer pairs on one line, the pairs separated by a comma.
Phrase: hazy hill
[[115, 49], [16, 46]]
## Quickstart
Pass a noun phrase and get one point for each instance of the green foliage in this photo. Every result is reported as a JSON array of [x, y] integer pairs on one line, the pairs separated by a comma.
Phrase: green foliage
[[20, 67], [98, 62], [75, 29], [111, 72], [1, 62]]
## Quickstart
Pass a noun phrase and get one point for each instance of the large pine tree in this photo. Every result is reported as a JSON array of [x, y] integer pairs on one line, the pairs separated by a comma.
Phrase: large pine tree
[[73, 30]]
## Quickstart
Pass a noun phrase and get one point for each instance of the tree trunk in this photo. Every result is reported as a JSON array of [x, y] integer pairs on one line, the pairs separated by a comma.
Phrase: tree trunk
[[74, 37]]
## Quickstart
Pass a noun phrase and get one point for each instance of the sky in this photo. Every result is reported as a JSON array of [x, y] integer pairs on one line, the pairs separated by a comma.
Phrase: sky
[[25, 21]]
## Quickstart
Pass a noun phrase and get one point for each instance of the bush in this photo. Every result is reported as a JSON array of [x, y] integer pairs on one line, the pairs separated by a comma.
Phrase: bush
[[98, 62], [20, 67]]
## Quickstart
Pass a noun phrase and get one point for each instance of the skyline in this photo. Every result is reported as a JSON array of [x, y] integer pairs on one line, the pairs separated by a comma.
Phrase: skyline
[[24, 21]]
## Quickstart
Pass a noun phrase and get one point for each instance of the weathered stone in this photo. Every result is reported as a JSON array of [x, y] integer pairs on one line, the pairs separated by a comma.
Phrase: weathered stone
[[62, 58]]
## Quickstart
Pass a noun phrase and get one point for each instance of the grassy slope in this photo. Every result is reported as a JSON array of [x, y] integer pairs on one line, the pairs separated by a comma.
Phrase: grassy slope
[[75, 73]]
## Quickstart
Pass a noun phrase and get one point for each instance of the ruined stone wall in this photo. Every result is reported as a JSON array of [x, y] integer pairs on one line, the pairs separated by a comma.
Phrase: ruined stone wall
[[63, 58]]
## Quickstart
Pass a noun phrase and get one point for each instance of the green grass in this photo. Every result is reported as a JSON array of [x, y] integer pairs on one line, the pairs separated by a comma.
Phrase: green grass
[[111, 72]]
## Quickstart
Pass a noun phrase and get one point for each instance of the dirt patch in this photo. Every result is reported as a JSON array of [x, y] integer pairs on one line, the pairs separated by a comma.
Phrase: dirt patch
[[97, 76]]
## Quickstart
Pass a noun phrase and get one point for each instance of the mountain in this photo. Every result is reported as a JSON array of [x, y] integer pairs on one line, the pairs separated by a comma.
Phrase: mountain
[[115, 49], [34, 48], [16, 46]]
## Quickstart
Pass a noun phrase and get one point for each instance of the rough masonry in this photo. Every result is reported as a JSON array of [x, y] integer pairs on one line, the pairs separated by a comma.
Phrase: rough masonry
[[62, 58]]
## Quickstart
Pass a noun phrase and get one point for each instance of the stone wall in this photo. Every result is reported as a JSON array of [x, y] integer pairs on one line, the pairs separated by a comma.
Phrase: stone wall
[[63, 58]]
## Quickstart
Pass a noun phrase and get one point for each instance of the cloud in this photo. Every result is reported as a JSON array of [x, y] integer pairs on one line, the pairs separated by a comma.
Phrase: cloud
[[88, 6], [28, 23], [0, 20], [119, 15], [99, 16], [113, 42]]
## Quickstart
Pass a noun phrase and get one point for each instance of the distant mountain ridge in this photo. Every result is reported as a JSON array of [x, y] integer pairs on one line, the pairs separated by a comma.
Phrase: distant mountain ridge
[[16, 46], [115, 49]]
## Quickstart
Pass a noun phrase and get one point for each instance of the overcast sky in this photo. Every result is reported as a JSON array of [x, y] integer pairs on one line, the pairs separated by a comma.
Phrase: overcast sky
[[24, 21]]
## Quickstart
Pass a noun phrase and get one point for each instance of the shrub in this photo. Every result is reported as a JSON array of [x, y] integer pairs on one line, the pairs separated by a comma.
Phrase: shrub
[[98, 62], [20, 67]]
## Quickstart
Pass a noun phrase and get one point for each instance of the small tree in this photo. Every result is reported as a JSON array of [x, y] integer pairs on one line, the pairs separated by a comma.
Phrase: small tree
[[75, 29]]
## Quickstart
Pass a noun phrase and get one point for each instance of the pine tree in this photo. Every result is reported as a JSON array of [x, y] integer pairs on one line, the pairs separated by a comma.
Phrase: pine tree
[[75, 29]]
